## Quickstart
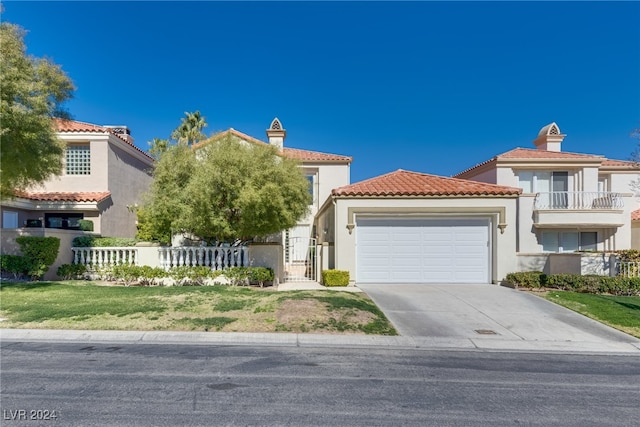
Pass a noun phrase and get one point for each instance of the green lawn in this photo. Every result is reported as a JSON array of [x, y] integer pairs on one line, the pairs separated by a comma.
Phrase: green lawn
[[87, 305], [619, 312]]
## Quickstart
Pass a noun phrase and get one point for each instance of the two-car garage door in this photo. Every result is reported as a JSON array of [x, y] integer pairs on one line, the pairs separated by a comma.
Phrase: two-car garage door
[[421, 250]]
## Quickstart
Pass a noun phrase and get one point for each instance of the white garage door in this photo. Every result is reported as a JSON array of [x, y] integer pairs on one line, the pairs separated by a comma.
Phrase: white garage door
[[422, 250]]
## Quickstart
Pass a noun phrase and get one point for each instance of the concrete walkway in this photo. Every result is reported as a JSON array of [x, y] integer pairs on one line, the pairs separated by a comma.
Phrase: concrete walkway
[[491, 316]]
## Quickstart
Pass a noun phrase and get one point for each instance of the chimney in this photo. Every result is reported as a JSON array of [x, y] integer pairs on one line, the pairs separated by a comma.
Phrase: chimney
[[549, 138], [123, 132], [276, 134]]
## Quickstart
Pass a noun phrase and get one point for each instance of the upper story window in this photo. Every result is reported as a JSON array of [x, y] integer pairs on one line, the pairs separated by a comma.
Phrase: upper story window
[[543, 181], [313, 184], [78, 161]]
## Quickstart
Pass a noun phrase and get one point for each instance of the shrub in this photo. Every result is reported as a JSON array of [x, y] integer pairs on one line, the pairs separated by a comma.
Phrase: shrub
[[238, 276], [526, 279], [577, 283], [126, 273], [15, 264], [95, 241], [192, 275], [260, 275], [335, 277], [71, 271], [40, 251], [85, 225]]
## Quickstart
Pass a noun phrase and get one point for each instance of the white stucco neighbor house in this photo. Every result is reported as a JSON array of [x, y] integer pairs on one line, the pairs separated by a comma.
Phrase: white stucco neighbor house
[[324, 172], [104, 173], [569, 202], [410, 227]]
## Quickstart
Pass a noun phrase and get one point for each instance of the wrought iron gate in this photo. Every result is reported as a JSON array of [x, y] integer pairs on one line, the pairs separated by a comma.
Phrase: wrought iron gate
[[300, 259]]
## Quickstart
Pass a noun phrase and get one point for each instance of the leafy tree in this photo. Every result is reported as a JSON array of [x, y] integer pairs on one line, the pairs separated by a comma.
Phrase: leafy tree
[[225, 191], [33, 90]]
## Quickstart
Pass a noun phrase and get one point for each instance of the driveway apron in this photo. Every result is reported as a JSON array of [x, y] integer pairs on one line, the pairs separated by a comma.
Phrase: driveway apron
[[485, 312]]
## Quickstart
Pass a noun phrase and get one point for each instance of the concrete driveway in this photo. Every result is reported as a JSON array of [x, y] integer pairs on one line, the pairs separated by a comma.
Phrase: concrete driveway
[[491, 316]]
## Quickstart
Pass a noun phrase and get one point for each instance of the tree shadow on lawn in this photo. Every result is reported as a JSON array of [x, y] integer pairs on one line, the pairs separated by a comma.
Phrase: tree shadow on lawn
[[26, 286]]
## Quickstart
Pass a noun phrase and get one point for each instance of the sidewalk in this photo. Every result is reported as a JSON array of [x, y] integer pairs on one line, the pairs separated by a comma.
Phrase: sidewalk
[[315, 340]]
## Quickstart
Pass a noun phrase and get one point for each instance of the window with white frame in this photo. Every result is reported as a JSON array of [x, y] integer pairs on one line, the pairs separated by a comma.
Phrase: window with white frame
[[312, 178], [569, 241], [78, 159], [543, 181]]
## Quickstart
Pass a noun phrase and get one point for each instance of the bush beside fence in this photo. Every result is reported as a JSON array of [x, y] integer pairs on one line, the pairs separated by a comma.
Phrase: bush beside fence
[[618, 285]]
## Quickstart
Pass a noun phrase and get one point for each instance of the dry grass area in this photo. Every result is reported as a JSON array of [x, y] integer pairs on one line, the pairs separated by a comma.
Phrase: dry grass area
[[85, 305]]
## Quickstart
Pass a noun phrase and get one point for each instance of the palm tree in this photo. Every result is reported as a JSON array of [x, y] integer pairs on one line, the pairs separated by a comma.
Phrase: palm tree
[[190, 130]]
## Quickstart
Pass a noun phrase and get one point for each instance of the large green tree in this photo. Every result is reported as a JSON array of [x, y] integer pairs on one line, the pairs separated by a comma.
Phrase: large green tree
[[32, 92], [227, 190]]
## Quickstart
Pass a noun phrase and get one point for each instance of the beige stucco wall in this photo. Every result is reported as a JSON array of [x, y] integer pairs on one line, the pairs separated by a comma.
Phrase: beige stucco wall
[[635, 235], [503, 244], [327, 177], [128, 178]]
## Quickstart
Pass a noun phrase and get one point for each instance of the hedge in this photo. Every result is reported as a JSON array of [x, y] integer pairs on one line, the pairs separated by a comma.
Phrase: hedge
[[40, 252], [335, 278], [575, 283], [16, 265], [95, 241]]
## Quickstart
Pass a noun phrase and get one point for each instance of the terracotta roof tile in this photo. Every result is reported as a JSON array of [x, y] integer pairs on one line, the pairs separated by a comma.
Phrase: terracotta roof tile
[[620, 163], [635, 215], [65, 196], [64, 125], [533, 154], [292, 153], [406, 183], [529, 153]]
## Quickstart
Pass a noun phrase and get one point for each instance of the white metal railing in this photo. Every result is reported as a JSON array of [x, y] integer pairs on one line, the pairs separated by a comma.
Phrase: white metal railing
[[578, 200], [215, 257], [628, 268], [98, 257]]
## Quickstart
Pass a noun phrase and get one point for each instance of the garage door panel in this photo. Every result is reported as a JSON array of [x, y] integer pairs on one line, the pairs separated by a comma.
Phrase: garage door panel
[[422, 250]]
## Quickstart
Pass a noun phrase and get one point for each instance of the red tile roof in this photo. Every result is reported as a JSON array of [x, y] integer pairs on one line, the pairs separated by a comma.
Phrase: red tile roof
[[64, 125], [635, 215], [533, 154], [620, 163], [406, 183], [294, 153], [65, 196], [291, 153]]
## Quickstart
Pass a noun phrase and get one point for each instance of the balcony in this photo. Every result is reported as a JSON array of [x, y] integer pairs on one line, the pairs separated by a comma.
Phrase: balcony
[[578, 200], [578, 209]]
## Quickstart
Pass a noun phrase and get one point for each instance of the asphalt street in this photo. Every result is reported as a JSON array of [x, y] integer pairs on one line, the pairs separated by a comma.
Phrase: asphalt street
[[135, 384]]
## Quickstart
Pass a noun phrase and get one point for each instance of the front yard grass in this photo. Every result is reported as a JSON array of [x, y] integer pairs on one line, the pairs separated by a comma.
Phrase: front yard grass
[[619, 312], [88, 305]]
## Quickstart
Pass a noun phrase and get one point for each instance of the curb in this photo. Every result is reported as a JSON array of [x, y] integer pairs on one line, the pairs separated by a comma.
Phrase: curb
[[315, 340]]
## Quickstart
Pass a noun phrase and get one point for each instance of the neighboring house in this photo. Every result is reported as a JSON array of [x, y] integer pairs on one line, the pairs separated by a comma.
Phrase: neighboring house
[[324, 172], [409, 227], [103, 177], [570, 201]]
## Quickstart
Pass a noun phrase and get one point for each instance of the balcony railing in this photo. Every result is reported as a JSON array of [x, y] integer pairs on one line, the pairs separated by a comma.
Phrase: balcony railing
[[578, 200]]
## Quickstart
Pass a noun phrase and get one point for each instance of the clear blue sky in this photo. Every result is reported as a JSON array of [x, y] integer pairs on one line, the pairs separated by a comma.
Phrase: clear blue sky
[[433, 87]]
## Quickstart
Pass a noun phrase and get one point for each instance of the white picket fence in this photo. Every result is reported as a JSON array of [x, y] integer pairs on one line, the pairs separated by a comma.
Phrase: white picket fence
[[216, 258]]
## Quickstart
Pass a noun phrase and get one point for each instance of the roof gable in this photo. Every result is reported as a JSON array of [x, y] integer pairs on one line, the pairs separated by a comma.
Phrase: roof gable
[[415, 184], [74, 126], [291, 153]]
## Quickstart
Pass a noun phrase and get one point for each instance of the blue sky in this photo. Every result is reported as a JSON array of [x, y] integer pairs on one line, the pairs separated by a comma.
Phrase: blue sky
[[432, 87]]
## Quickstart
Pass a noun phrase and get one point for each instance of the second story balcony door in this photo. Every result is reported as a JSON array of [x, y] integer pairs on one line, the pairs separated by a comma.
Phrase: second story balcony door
[[559, 189], [553, 189]]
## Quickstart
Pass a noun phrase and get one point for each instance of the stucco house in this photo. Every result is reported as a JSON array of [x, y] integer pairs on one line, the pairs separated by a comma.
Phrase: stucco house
[[410, 227], [569, 202], [324, 172], [104, 175], [506, 214]]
